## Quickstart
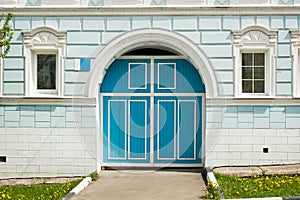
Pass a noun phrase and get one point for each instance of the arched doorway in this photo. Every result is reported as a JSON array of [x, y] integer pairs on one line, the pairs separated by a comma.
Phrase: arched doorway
[[152, 102]]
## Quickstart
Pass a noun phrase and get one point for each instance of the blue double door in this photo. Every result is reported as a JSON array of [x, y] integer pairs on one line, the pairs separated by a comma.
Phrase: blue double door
[[152, 113]]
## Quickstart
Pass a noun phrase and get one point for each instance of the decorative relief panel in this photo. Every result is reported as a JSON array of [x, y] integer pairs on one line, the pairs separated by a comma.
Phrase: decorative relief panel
[[96, 3], [158, 2], [222, 2], [33, 3], [44, 35], [287, 2], [254, 34]]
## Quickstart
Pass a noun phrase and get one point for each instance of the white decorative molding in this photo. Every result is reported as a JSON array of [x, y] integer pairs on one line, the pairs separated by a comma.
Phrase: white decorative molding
[[44, 35], [124, 2], [8, 2], [151, 37], [60, 2], [43, 40], [146, 2], [53, 101], [187, 2], [230, 10], [254, 34], [295, 44], [247, 2], [255, 39]]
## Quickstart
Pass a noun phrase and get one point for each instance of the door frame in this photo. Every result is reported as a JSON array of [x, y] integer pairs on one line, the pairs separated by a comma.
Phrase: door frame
[[152, 118]]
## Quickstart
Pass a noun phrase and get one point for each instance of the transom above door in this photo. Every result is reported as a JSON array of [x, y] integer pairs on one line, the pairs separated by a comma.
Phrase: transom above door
[[151, 112]]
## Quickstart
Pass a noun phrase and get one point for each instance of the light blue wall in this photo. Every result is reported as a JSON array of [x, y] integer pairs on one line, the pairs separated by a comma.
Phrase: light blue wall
[[47, 117], [258, 117], [87, 36]]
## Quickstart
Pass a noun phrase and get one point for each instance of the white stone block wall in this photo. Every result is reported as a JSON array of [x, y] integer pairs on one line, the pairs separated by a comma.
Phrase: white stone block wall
[[239, 147], [45, 152]]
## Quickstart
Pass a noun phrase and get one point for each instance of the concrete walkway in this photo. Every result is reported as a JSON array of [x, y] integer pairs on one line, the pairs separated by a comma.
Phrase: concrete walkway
[[145, 185]]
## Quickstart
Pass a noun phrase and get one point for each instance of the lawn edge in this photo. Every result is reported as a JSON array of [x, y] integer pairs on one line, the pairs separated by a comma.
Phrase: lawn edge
[[83, 184], [211, 178]]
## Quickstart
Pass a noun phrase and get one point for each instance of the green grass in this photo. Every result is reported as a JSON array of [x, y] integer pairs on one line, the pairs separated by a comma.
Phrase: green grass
[[263, 186], [37, 192]]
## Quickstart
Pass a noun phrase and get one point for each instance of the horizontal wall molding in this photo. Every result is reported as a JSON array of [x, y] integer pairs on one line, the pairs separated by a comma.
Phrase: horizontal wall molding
[[48, 101], [154, 11], [16, 100], [253, 102]]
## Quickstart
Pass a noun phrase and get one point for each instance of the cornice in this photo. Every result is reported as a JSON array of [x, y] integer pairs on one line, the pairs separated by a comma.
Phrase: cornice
[[155, 11]]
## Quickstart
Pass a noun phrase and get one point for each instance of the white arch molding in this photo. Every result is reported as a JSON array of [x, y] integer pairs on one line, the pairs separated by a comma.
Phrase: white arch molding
[[151, 37]]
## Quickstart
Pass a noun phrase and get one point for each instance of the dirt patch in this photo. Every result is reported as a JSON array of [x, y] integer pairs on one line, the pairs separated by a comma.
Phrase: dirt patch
[[35, 181]]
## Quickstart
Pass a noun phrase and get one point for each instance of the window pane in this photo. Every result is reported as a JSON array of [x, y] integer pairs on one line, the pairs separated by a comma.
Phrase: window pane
[[259, 59], [259, 73], [259, 86], [247, 87], [247, 72], [247, 59], [46, 71]]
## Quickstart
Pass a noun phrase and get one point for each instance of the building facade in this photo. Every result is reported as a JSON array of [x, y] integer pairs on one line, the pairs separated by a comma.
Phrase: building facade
[[154, 83]]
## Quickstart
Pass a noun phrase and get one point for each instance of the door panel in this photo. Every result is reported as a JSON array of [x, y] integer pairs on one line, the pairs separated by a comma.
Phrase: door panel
[[126, 129], [184, 79], [128, 96], [166, 132], [137, 129], [117, 129], [186, 129], [127, 76], [184, 115]]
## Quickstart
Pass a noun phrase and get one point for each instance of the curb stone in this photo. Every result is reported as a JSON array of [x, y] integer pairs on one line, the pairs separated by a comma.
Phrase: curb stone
[[211, 178], [83, 184]]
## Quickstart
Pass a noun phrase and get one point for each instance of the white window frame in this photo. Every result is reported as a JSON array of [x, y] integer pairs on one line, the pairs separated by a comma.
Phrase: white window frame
[[34, 70], [43, 40], [261, 40], [295, 43]]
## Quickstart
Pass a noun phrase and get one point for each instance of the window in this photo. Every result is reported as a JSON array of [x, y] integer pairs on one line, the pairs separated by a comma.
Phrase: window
[[254, 51], [46, 71], [253, 72], [44, 51]]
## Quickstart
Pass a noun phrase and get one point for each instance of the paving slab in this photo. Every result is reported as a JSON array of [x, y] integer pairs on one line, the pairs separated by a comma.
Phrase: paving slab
[[146, 185]]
